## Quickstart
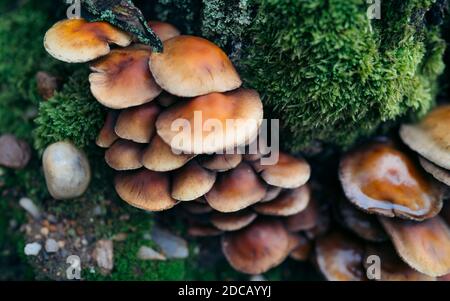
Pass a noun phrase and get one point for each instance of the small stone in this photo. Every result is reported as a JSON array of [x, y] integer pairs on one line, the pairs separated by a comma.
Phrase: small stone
[[14, 153], [51, 246], [84, 242], [171, 245], [47, 84], [67, 171], [61, 244], [30, 207], [13, 224], [32, 249], [147, 253], [120, 237], [44, 231], [103, 255]]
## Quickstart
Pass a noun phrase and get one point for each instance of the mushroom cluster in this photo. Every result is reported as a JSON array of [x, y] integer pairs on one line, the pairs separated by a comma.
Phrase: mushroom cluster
[[257, 208]]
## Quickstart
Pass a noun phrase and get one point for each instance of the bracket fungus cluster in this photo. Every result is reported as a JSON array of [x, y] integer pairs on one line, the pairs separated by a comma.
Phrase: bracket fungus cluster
[[169, 137]]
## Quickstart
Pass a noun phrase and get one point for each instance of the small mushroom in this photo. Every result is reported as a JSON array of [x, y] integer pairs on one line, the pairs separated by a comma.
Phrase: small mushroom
[[66, 170], [378, 178], [107, 135], [145, 189], [392, 267], [192, 66], [236, 189], [78, 41], [289, 172], [158, 156], [121, 79], [271, 194], [304, 220], [424, 246], [440, 174], [202, 125], [257, 248], [14, 153], [124, 155], [138, 124], [431, 137], [163, 30], [222, 162], [303, 250], [233, 221], [203, 231], [47, 84], [340, 257], [289, 202], [192, 182]]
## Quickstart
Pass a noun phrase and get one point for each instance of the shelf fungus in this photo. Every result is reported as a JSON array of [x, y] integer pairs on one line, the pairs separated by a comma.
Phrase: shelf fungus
[[378, 178]]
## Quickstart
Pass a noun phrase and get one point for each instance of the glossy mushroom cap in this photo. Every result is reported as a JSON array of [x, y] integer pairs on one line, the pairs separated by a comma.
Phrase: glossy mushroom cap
[[203, 231], [145, 189], [289, 172], [380, 179], [440, 174], [163, 30], [424, 246], [78, 41], [306, 219], [138, 123], [271, 194], [431, 137], [203, 125], [236, 189], [122, 79], [124, 155], [192, 182], [158, 156], [258, 247], [340, 257], [222, 163], [192, 66], [107, 136], [289, 202], [233, 221]]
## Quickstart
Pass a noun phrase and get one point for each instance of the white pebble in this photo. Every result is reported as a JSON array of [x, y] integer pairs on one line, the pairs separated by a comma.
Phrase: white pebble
[[51, 246], [32, 249], [30, 207]]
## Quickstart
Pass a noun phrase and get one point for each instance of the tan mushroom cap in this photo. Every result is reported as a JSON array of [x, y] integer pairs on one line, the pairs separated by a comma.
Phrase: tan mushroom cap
[[431, 137], [122, 79], [212, 123], [392, 267], [440, 174], [203, 231], [163, 30], [340, 257], [158, 156], [192, 182], [145, 189], [303, 250], [380, 179], [289, 172], [304, 220], [232, 221], [257, 248], [138, 123], [222, 162], [192, 66], [272, 193], [424, 246], [124, 155], [107, 136], [78, 41], [289, 202], [236, 189], [257, 149]]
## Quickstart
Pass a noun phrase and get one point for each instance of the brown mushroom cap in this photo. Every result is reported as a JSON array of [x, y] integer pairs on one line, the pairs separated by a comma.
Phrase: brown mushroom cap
[[258, 247], [365, 226], [424, 246], [192, 66], [122, 79], [145, 189], [222, 162], [138, 123], [203, 231], [158, 156], [272, 193], [289, 202], [340, 257], [192, 182], [78, 41], [304, 220], [107, 136], [440, 174], [206, 120], [124, 155], [431, 137], [163, 30], [392, 267], [303, 250], [380, 179], [236, 189], [233, 221], [289, 172]]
